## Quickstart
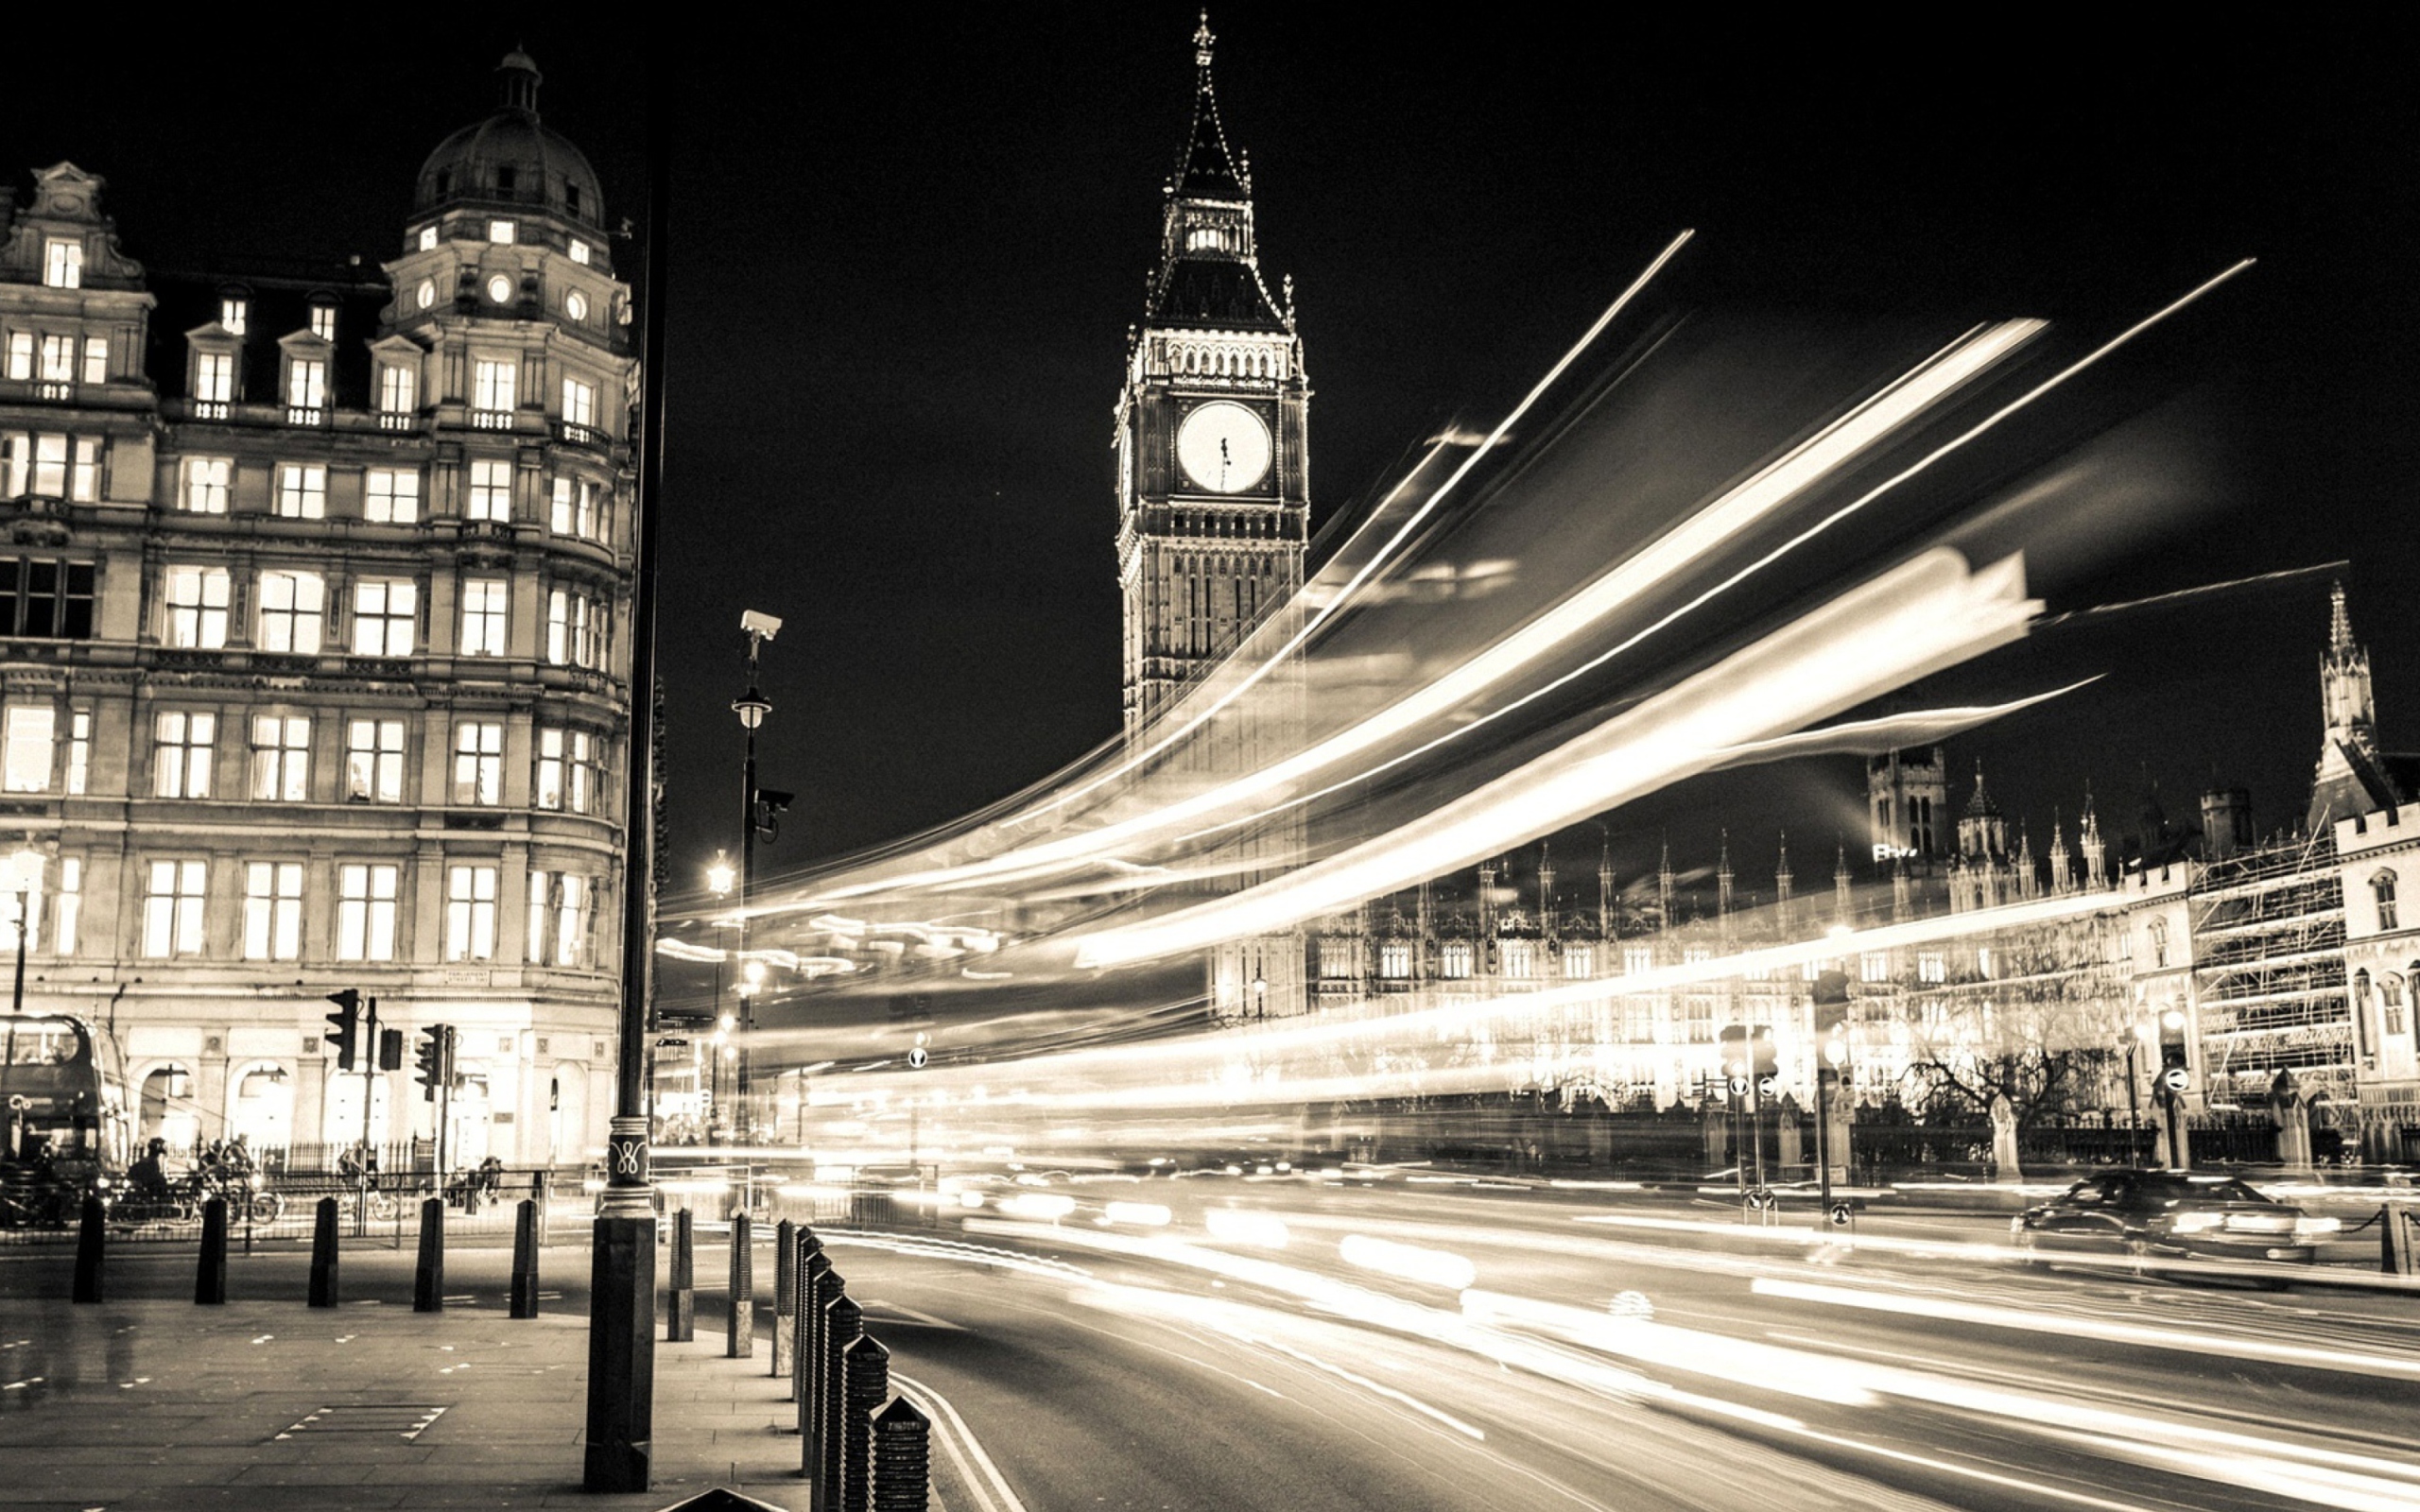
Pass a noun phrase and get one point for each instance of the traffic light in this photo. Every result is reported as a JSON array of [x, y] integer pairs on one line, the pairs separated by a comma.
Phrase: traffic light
[[1734, 1055], [435, 1058], [391, 1049], [1832, 1023], [2176, 1068], [344, 1027]]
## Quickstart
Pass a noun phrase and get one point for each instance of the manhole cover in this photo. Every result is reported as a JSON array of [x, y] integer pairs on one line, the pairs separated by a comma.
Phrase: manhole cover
[[405, 1421]]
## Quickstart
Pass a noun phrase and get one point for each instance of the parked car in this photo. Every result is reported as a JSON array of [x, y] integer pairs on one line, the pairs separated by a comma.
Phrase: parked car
[[2168, 1214]]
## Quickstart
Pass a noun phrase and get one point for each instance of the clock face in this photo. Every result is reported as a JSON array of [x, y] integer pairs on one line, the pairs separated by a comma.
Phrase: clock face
[[1224, 447], [500, 288]]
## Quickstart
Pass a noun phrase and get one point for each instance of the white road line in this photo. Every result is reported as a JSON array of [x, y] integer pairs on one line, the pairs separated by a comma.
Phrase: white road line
[[914, 1317], [998, 1498]]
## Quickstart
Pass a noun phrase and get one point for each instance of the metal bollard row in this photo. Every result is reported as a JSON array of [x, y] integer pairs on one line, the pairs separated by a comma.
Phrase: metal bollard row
[[860, 1448]]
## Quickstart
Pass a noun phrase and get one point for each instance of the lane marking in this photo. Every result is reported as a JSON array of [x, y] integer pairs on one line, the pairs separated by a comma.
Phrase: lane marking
[[902, 1310], [1002, 1499]]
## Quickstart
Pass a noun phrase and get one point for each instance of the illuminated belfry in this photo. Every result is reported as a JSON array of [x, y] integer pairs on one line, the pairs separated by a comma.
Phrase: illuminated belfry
[[1842, 903], [1608, 920], [2350, 777], [2096, 850], [1214, 504], [1781, 888], [1722, 883], [1906, 795]]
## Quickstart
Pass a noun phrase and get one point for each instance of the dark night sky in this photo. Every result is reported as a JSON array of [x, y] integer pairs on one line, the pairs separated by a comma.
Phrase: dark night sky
[[907, 253]]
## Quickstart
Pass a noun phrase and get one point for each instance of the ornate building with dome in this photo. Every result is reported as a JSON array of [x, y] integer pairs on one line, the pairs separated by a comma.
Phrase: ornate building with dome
[[315, 653]]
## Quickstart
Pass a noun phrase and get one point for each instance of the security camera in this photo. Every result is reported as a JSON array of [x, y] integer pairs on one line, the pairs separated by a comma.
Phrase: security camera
[[757, 623]]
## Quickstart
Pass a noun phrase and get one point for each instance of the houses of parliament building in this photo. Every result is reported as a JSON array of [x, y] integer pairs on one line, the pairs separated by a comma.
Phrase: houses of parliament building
[[2286, 953], [313, 633]]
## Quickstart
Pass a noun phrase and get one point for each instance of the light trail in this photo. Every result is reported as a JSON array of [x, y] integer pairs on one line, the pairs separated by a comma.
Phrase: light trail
[[1988, 423], [1911, 620]]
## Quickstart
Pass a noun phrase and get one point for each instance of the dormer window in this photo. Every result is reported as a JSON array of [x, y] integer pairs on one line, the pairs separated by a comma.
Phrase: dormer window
[[429, 238], [500, 232], [323, 321], [231, 313], [62, 265], [507, 177], [571, 197], [307, 383], [579, 251], [213, 377]]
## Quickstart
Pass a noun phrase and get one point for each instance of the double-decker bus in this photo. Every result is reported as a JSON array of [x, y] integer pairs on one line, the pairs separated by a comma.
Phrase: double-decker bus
[[62, 1094]]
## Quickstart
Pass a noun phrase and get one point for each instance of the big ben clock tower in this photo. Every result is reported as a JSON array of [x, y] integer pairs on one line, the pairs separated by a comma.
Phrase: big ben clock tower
[[1213, 493]]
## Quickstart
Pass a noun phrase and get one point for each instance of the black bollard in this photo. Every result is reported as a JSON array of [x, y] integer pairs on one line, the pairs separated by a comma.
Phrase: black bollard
[[89, 1241], [819, 1283], [429, 1278], [865, 1382], [843, 1321], [210, 1276], [681, 1307], [739, 1339], [903, 1447], [323, 1254], [525, 1260], [785, 1294]]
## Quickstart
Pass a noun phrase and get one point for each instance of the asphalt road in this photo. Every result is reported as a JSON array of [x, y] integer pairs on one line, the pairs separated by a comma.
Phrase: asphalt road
[[1517, 1353]]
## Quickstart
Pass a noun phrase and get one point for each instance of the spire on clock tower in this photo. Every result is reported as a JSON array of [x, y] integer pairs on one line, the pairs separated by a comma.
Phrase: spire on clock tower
[[1209, 272]]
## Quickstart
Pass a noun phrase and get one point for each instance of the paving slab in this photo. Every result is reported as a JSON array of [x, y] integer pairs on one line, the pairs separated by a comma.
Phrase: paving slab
[[163, 1406]]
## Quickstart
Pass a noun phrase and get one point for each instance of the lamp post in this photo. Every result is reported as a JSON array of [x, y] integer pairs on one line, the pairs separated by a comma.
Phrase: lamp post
[[719, 877], [751, 707], [24, 874]]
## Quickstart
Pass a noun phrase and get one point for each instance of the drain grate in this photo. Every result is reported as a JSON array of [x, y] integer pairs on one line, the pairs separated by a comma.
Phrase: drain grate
[[405, 1420]]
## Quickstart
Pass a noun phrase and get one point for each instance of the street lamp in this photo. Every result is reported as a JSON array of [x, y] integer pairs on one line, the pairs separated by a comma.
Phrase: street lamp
[[751, 707], [25, 875]]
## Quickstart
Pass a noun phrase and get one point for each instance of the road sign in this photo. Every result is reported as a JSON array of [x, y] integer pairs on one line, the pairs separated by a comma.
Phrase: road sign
[[1839, 1213], [917, 1057], [2176, 1078]]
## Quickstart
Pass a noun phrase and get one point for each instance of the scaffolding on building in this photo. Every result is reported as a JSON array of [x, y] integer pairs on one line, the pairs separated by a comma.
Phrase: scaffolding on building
[[2269, 973]]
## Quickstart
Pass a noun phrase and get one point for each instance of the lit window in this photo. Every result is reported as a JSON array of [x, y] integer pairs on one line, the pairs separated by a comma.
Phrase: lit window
[[398, 388], [500, 232], [426, 293], [213, 377], [301, 490], [231, 315], [53, 466], [386, 613], [181, 746], [79, 749], [478, 763], [97, 359], [1455, 960], [578, 250], [1696, 955], [429, 238], [580, 402], [172, 908], [587, 782], [1394, 960], [323, 321], [576, 509], [2382, 889], [69, 909], [1874, 966], [58, 359], [374, 761], [483, 604], [1931, 966], [469, 913], [1984, 961], [390, 496], [557, 918], [207, 479], [21, 356], [1515, 957], [575, 305], [62, 265], [573, 629], [1637, 960], [1578, 963], [196, 607], [293, 608], [551, 756], [366, 896], [492, 383], [280, 759], [307, 383], [272, 910], [491, 491], [500, 289], [31, 729]]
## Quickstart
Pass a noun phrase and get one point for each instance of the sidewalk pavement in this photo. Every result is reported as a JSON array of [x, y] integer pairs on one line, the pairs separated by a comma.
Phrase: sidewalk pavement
[[162, 1406]]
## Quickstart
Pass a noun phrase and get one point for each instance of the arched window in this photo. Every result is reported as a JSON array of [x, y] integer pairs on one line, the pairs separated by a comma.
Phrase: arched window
[[2159, 942], [260, 1106], [1455, 960], [166, 1110], [2382, 888]]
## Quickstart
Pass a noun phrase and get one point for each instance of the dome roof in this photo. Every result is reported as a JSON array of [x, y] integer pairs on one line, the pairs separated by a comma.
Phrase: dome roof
[[511, 160]]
